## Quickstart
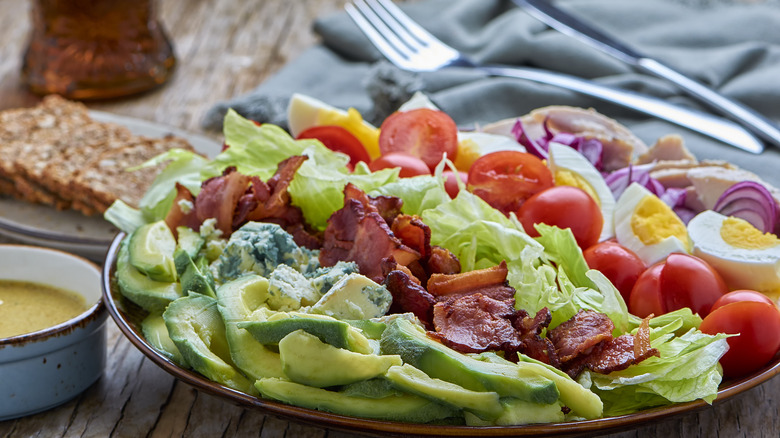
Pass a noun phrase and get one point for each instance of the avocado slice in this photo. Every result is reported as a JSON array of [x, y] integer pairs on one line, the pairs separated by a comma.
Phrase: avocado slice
[[401, 407], [485, 405], [151, 251], [329, 330], [243, 299], [411, 342], [156, 333], [196, 327], [151, 295], [516, 412], [307, 360], [189, 241]]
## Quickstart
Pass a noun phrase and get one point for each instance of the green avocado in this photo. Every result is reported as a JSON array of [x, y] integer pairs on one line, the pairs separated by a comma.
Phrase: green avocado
[[189, 241], [151, 295], [485, 405], [243, 299], [307, 360], [196, 327], [398, 407], [151, 251], [329, 330], [516, 412], [156, 333], [411, 342]]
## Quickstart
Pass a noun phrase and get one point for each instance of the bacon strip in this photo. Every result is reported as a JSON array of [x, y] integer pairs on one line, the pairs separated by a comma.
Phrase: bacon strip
[[219, 197], [441, 284], [442, 261], [413, 233], [176, 216], [475, 323], [409, 296], [358, 233], [583, 331]]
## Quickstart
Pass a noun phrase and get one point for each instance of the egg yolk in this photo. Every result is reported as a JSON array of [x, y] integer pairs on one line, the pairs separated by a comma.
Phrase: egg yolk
[[653, 221], [565, 177], [468, 152], [353, 122], [740, 233]]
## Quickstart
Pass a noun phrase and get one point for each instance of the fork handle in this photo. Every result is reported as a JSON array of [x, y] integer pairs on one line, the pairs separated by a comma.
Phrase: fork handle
[[716, 127]]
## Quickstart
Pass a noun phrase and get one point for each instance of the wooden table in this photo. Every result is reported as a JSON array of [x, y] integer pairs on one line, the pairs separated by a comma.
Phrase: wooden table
[[226, 48]]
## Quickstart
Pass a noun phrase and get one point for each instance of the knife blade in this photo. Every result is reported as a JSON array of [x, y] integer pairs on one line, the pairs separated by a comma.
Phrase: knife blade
[[560, 20]]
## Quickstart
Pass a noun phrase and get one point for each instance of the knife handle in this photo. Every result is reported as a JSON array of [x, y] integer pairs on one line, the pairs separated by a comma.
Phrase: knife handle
[[748, 118], [715, 127]]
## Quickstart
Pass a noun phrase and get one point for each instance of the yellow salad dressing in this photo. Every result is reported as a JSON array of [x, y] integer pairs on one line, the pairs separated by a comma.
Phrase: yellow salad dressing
[[26, 307]]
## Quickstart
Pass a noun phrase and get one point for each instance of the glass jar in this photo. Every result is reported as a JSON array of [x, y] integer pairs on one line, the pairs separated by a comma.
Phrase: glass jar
[[96, 49]]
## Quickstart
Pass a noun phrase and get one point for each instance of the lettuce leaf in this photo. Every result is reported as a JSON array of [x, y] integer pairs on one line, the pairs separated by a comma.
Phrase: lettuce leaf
[[419, 193]]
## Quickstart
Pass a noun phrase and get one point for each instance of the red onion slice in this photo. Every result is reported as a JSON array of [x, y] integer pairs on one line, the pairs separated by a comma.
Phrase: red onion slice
[[752, 202]]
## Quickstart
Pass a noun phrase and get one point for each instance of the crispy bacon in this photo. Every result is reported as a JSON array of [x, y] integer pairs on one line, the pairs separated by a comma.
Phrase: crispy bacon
[[389, 207], [219, 197], [413, 233], [176, 216], [580, 333], [409, 296], [475, 323], [530, 330], [442, 284], [358, 233], [442, 261]]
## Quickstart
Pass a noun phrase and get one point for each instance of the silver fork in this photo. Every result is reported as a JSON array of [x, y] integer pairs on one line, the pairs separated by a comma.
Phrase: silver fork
[[410, 47]]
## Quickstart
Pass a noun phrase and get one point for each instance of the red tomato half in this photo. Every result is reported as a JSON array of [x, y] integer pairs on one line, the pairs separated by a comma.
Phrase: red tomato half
[[451, 183], [758, 325], [338, 139], [741, 295], [681, 281], [505, 179], [619, 264], [564, 207], [688, 281], [645, 298], [423, 133], [410, 166]]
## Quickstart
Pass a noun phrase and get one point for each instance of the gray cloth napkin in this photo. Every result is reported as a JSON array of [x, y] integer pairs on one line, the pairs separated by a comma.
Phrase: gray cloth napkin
[[733, 48]]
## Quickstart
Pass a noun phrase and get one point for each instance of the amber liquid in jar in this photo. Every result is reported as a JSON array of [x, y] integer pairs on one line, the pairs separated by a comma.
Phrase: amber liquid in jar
[[96, 49]]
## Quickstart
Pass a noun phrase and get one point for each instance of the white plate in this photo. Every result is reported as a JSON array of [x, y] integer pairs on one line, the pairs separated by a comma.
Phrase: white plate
[[68, 230]]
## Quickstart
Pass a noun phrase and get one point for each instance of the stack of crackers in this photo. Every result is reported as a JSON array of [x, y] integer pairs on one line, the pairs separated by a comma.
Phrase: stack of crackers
[[55, 154]]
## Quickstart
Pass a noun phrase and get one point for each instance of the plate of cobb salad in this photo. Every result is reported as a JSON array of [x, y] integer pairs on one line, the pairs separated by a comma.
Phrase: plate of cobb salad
[[238, 271]]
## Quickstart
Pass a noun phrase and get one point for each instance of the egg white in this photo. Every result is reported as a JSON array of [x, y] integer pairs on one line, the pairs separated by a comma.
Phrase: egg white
[[624, 210], [563, 157], [741, 268]]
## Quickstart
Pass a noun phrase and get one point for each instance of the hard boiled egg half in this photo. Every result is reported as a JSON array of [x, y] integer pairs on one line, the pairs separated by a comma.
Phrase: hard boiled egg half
[[745, 257], [570, 168], [649, 227], [305, 112]]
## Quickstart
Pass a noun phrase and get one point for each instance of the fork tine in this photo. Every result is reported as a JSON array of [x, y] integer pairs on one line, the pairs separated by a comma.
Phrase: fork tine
[[399, 28], [406, 24], [377, 31]]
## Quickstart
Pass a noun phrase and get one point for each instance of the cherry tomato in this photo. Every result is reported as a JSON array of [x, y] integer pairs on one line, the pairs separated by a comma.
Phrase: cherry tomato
[[688, 281], [410, 166], [423, 133], [451, 183], [505, 179], [338, 139], [681, 280], [645, 298], [741, 295], [564, 207], [758, 325], [619, 264]]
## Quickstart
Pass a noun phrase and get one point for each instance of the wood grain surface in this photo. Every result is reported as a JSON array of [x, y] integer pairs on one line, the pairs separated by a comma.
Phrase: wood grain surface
[[225, 48]]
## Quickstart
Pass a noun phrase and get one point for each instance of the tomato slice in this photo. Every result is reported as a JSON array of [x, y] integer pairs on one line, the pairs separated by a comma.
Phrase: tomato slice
[[758, 326], [564, 207], [338, 139], [451, 183], [505, 179], [423, 133], [619, 264], [410, 166], [688, 281]]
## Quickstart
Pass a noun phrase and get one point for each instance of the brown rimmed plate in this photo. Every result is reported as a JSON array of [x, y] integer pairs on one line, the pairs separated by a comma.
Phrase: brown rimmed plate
[[128, 317]]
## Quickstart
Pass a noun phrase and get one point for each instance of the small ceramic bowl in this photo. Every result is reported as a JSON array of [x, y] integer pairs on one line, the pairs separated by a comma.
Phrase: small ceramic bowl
[[43, 369]]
